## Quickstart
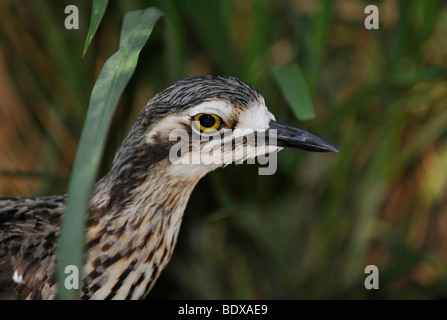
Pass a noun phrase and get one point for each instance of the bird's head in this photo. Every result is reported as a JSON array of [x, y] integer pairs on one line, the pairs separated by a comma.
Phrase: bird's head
[[203, 122]]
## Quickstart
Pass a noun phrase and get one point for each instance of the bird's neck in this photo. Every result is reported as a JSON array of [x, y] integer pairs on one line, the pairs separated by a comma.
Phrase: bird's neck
[[135, 218]]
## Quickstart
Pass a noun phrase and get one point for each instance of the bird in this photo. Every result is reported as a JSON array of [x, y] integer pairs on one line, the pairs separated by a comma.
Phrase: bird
[[136, 208]]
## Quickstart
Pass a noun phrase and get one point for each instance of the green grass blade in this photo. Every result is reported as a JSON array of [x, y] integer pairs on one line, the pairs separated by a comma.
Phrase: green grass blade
[[175, 41], [294, 87], [114, 76], [316, 42], [98, 9], [212, 22]]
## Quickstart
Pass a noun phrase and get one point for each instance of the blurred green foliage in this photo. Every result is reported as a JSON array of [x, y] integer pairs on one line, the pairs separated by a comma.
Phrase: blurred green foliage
[[309, 230]]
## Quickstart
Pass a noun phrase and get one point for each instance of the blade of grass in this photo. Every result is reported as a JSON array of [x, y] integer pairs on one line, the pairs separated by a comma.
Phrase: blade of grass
[[315, 42], [419, 75], [402, 36], [98, 9], [257, 44], [175, 41], [294, 87], [424, 139], [114, 76], [212, 22]]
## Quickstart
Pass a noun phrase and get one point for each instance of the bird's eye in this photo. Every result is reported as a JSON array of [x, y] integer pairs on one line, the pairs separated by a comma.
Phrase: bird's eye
[[207, 122]]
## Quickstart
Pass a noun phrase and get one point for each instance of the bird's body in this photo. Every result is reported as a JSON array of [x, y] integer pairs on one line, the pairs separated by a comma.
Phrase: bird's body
[[137, 208]]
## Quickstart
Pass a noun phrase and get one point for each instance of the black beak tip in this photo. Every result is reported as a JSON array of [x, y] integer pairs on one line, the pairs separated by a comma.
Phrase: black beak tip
[[295, 138], [318, 144], [329, 147]]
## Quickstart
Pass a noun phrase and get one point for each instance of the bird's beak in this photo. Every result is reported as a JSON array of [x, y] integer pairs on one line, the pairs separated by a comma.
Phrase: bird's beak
[[290, 137]]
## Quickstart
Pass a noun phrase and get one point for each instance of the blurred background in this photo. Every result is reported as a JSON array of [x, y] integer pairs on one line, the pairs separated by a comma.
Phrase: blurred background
[[307, 232]]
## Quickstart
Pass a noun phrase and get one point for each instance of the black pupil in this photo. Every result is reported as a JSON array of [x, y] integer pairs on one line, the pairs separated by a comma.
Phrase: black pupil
[[207, 121]]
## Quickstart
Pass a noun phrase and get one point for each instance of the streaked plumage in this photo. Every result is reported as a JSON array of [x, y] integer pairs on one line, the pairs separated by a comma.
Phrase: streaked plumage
[[137, 208]]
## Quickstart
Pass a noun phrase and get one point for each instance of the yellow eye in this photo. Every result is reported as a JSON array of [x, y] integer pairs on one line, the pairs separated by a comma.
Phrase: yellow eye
[[207, 122]]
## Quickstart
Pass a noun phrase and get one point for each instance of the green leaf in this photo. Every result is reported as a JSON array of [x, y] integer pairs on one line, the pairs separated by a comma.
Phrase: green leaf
[[111, 82], [98, 9], [294, 87]]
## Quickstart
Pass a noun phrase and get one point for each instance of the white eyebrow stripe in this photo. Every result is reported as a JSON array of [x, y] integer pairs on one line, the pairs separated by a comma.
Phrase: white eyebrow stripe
[[218, 107]]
